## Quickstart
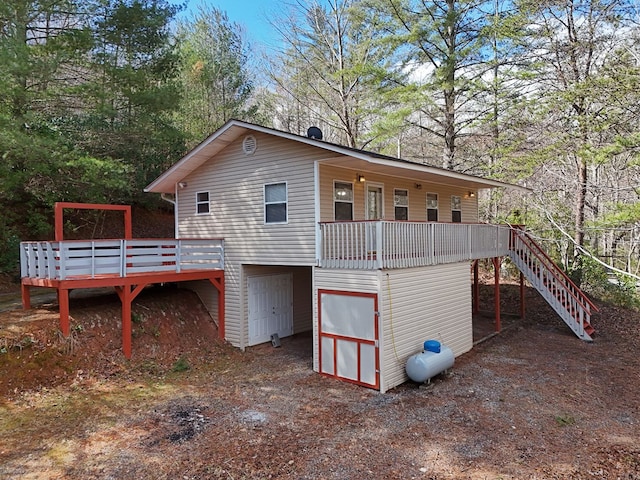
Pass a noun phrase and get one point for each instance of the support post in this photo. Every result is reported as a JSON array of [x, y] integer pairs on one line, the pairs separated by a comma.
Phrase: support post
[[125, 298], [58, 210], [521, 295], [218, 282], [221, 322], [26, 296], [496, 290], [476, 288], [63, 301]]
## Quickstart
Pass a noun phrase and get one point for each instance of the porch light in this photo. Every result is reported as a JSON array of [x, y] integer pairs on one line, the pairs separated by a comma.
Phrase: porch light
[[471, 194], [361, 178]]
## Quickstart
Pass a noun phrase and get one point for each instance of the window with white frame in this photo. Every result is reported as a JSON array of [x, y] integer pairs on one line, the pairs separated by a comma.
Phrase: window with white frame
[[401, 204], [432, 207], [202, 203], [456, 209], [343, 200], [275, 203]]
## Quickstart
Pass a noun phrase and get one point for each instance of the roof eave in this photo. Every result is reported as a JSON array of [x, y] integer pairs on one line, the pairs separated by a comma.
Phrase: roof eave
[[166, 183]]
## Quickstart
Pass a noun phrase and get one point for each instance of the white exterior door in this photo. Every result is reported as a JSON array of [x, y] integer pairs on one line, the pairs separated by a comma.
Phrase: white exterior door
[[375, 202], [270, 307], [348, 328]]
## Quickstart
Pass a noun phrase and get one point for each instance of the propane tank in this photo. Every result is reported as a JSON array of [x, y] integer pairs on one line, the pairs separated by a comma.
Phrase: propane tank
[[434, 359]]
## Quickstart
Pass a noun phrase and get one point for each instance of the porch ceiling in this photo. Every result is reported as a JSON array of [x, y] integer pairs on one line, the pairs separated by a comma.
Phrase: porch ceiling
[[417, 172]]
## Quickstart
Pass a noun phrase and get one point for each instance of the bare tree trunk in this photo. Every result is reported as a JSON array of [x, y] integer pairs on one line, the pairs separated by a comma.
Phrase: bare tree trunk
[[449, 89]]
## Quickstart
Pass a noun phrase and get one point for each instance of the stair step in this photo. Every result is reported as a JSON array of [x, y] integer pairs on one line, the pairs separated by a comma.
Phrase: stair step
[[553, 284]]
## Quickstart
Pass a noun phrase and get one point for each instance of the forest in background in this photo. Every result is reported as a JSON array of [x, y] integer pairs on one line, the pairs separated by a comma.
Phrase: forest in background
[[98, 97]]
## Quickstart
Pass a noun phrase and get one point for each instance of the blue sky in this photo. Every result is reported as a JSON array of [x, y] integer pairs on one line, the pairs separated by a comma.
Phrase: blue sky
[[253, 15]]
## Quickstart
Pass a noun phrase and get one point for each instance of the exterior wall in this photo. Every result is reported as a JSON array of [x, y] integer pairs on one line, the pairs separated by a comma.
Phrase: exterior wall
[[416, 304], [419, 304], [235, 182], [302, 308], [344, 280], [417, 197]]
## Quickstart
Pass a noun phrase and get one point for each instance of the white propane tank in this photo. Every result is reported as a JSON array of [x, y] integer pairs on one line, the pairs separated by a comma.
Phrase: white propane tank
[[434, 359]]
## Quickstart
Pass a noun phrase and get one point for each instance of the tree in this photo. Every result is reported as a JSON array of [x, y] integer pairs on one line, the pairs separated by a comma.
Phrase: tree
[[442, 50], [216, 84], [327, 74], [84, 96], [579, 58], [41, 45], [127, 101]]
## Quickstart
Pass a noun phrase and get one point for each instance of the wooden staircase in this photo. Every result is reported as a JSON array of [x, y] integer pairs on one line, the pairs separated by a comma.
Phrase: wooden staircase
[[564, 296]]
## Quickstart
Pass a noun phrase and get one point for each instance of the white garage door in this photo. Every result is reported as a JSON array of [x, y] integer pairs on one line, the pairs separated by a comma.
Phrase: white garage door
[[270, 307], [349, 337]]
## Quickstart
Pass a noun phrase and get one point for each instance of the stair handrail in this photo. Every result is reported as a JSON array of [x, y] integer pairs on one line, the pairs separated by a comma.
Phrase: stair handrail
[[551, 266]]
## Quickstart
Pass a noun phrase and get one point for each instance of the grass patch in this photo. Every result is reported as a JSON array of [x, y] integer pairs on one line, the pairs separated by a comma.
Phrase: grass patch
[[181, 365], [565, 420]]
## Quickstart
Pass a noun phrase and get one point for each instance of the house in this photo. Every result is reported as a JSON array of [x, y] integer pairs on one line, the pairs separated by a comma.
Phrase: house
[[281, 234], [371, 253]]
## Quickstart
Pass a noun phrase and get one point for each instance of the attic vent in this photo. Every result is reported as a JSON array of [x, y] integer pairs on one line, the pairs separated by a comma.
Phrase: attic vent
[[249, 144]]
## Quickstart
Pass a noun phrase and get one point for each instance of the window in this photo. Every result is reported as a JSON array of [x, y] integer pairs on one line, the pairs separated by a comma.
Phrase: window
[[202, 203], [275, 203], [456, 209], [343, 200], [432, 207], [401, 204]]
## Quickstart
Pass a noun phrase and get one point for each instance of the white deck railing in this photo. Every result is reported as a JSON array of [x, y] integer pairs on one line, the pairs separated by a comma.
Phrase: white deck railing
[[388, 244], [95, 258]]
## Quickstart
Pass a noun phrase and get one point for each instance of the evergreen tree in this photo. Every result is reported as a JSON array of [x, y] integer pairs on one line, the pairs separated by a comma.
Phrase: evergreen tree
[[215, 82]]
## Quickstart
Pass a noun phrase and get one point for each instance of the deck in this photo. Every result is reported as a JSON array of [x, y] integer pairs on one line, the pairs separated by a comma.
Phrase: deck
[[45, 263], [128, 265], [384, 244]]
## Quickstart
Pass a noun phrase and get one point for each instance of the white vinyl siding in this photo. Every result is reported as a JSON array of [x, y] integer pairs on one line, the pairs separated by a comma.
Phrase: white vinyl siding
[[419, 304], [417, 196], [236, 186]]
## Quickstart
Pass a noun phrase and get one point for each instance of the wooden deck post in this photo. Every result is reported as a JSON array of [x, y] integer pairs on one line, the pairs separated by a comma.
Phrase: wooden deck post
[[125, 299], [218, 282], [26, 296], [496, 289], [59, 216], [221, 323], [63, 301], [476, 288], [521, 295]]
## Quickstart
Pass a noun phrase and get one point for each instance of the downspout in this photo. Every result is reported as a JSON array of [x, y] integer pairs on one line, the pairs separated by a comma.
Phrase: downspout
[[314, 306], [316, 204], [173, 202]]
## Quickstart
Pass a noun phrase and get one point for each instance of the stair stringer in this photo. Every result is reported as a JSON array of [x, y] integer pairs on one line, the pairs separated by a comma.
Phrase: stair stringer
[[567, 300]]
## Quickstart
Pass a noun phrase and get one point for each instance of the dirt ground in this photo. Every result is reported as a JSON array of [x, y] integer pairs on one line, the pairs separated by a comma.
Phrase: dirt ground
[[533, 402]]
